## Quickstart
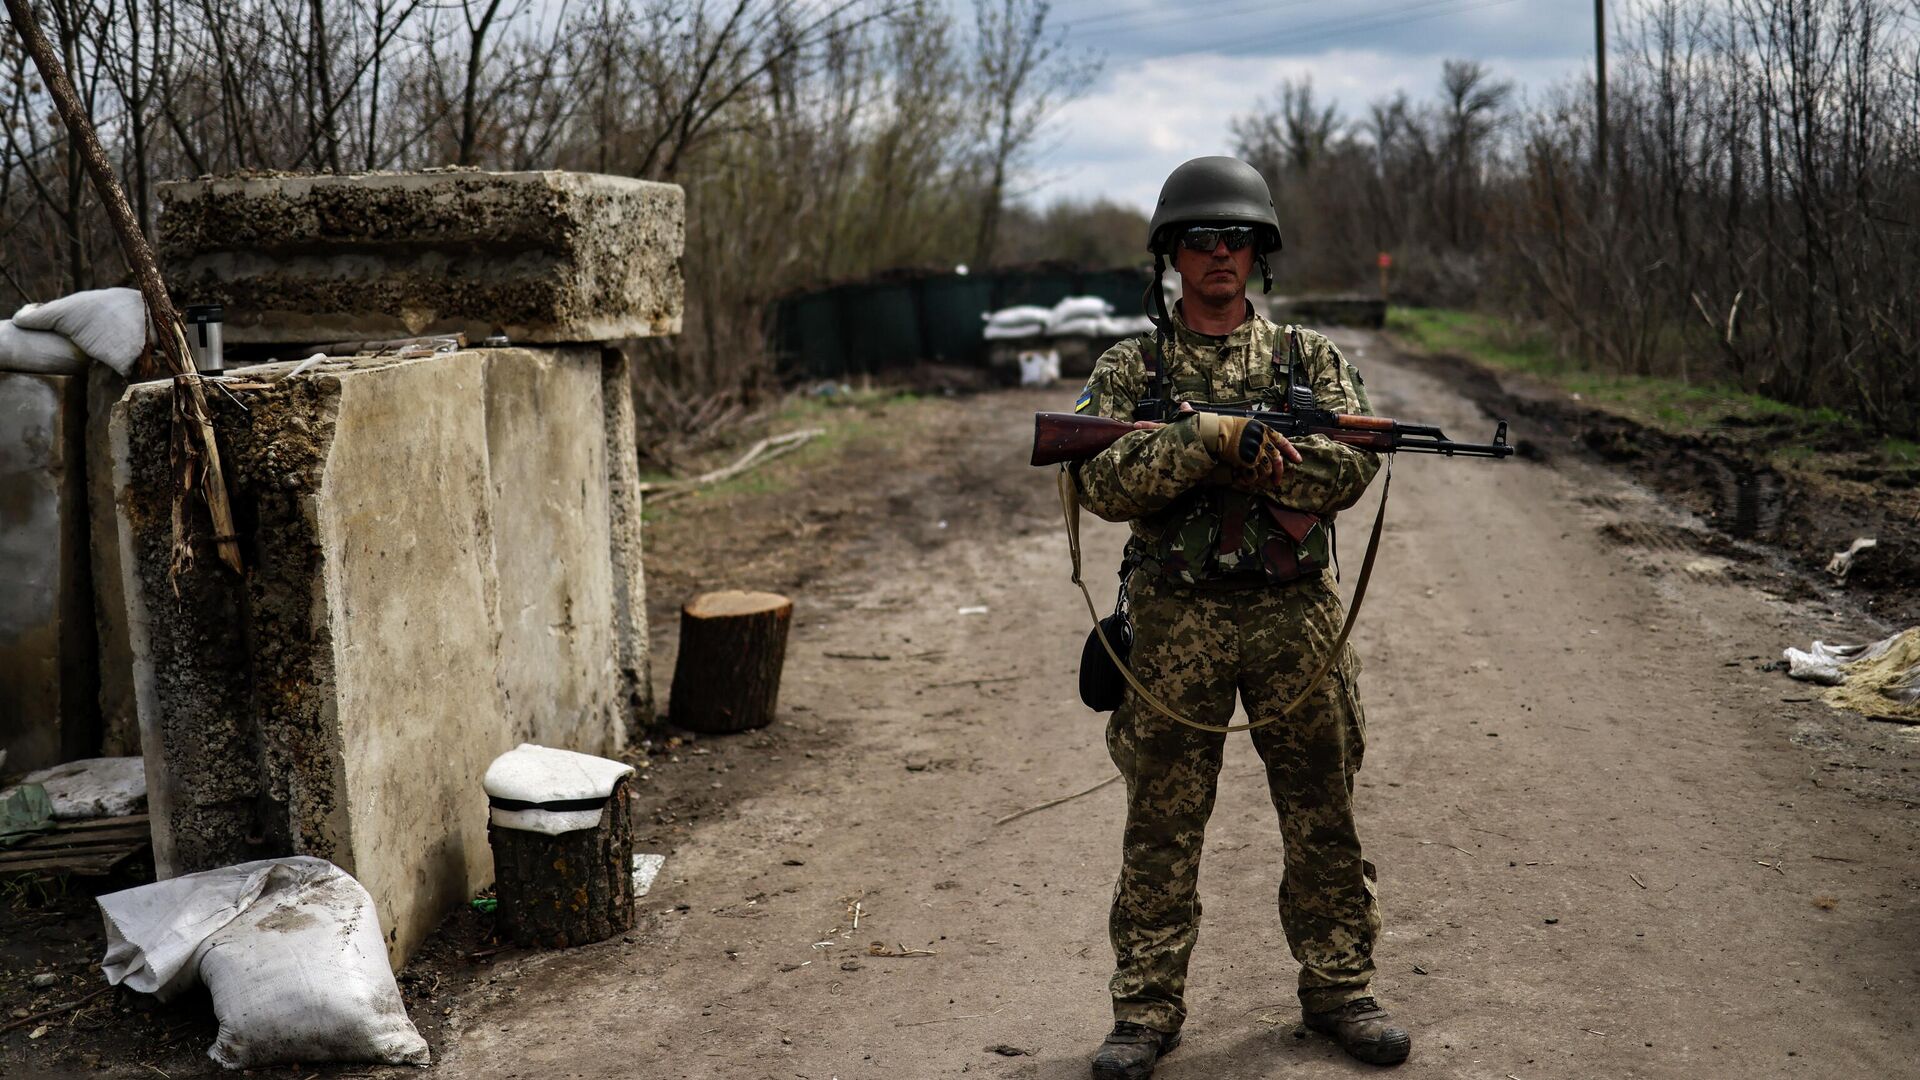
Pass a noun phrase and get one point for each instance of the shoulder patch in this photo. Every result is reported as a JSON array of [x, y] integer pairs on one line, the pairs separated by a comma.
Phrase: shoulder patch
[[1085, 399]]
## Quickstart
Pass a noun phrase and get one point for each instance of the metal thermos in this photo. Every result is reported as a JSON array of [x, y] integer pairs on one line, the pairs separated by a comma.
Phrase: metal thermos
[[203, 338]]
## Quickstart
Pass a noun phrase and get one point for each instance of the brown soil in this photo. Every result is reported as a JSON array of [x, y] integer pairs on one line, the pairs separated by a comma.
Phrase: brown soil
[[1732, 478], [1612, 843]]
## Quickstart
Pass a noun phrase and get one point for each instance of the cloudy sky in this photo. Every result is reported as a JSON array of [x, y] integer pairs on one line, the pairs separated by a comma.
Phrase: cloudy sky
[[1176, 73]]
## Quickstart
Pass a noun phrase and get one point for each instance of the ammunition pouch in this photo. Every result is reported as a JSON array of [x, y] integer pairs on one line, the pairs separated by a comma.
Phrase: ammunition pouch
[[1102, 686], [1301, 545]]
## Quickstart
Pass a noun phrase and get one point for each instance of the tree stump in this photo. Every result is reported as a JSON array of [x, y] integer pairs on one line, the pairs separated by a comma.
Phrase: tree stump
[[732, 647], [571, 889]]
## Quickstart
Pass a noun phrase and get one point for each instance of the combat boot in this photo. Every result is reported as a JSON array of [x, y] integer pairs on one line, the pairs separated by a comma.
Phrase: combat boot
[[1130, 1051], [1363, 1029]]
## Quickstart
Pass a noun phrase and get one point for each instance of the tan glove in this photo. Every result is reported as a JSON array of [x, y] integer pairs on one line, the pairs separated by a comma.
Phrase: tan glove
[[1255, 454]]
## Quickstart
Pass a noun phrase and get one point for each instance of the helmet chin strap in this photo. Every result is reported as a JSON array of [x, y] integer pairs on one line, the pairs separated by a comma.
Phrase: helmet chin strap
[[1266, 274], [1154, 300]]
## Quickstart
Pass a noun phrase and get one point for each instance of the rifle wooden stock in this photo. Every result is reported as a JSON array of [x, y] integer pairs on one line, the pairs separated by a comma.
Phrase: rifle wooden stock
[[1059, 437]]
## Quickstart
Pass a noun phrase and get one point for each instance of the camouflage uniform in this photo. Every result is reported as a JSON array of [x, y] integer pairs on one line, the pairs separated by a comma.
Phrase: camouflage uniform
[[1209, 622]]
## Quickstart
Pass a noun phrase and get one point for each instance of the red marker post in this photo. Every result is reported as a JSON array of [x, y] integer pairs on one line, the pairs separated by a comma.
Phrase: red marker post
[[1385, 262]]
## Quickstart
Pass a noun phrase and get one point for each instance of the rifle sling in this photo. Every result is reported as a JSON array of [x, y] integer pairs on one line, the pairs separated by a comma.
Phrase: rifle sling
[[1070, 507]]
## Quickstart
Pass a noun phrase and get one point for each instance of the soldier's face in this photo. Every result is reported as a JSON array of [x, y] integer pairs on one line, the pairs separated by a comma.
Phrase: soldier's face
[[1216, 276]]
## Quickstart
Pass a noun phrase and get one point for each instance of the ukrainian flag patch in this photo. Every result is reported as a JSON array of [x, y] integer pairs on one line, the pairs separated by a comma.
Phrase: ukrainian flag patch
[[1081, 403]]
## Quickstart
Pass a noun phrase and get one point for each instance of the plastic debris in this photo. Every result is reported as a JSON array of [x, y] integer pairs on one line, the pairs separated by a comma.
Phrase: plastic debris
[[646, 867], [24, 811], [290, 949], [1039, 368], [1842, 561]]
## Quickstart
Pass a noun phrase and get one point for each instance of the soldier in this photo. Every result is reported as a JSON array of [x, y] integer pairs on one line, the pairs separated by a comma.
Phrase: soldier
[[1227, 579]]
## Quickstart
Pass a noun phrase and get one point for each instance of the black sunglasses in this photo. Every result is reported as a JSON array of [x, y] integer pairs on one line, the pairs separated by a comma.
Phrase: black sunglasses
[[1208, 237]]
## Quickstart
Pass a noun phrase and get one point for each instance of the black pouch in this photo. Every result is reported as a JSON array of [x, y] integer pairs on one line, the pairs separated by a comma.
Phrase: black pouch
[[1101, 685]]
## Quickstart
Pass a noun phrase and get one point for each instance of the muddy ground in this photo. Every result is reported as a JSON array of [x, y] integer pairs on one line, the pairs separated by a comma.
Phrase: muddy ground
[[1612, 842]]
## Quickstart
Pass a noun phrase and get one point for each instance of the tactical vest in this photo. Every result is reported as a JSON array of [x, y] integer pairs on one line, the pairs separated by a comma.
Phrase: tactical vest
[[1214, 534]]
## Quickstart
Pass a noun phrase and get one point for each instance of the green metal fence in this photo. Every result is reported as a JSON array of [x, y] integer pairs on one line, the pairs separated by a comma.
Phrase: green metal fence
[[869, 327]]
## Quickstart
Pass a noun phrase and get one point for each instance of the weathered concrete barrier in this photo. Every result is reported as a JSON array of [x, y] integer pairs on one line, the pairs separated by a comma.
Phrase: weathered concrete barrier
[[48, 713], [431, 582], [443, 553], [538, 256]]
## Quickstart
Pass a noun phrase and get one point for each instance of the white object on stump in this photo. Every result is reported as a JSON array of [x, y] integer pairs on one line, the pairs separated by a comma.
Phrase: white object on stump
[[562, 839], [732, 647]]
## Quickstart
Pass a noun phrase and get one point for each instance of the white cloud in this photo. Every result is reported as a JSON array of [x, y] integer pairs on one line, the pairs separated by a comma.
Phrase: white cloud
[[1121, 140]]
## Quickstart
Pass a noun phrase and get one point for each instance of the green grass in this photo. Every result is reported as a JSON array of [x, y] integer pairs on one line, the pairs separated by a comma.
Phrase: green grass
[[1667, 404], [1900, 451], [845, 420]]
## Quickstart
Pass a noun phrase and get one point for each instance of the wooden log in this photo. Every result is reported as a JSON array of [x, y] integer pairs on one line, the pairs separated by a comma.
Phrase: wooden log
[[570, 889], [732, 647]]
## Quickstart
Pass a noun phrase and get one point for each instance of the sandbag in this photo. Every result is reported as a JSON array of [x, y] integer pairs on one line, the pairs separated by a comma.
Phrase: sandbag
[[1879, 680], [1075, 309], [1019, 315], [1081, 326], [37, 352], [108, 325], [94, 787], [290, 950]]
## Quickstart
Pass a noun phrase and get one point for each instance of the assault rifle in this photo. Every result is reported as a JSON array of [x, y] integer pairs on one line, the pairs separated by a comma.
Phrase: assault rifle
[[1059, 437]]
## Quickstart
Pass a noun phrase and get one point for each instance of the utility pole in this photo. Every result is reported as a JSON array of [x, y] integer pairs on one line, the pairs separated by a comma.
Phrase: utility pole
[[1600, 89]]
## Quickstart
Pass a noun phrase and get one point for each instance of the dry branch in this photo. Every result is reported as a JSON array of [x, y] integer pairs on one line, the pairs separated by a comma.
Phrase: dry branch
[[758, 454], [1017, 814], [197, 455]]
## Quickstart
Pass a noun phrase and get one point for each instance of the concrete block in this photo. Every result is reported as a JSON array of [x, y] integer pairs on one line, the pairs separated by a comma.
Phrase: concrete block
[[539, 256], [624, 509], [48, 713], [429, 585], [119, 715]]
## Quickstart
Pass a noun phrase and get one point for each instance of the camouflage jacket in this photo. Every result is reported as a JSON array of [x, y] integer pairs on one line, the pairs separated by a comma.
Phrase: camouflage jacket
[[1164, 482]]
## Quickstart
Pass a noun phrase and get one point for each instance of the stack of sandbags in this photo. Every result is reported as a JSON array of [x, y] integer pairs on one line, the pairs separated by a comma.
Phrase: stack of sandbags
[[1015, 323], [1078, 316]]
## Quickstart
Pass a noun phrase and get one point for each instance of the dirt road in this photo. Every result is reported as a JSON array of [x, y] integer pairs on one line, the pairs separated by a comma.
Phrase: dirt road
[[1608, 846]]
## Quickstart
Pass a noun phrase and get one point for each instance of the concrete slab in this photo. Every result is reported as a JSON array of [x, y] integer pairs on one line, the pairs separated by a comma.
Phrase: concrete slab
[[539, 256], [48, 713], [429, 585]]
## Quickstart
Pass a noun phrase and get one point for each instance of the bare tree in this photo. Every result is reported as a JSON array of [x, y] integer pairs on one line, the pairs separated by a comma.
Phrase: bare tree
[[1022, 73]]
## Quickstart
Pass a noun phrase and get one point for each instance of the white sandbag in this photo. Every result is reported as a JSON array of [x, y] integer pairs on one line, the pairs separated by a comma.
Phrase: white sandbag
[[544, 790], [1015, 332], [108, 325], [1081, 326], [38, 352], [95, 787], [1021, 315], [1119, 326], [1039, 368], [1079, 307], [290, 949]]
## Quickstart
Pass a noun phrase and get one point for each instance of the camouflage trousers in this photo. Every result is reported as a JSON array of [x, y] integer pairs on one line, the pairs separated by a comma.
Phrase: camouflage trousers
[[1195, 648]]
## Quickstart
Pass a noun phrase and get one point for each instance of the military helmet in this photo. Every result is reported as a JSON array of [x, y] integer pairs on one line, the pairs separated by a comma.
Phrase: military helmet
[[1214, 189]]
